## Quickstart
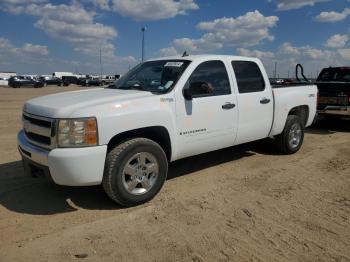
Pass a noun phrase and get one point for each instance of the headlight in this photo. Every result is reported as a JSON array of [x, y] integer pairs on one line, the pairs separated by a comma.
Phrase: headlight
[[77, 132]]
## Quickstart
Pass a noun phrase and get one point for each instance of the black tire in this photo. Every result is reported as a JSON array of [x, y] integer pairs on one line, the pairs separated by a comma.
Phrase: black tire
[[116, 160], [283, 140]]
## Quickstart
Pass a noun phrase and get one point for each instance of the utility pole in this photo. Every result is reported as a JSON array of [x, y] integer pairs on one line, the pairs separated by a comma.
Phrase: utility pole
[[275, 70], [101, 70], [143, 29]]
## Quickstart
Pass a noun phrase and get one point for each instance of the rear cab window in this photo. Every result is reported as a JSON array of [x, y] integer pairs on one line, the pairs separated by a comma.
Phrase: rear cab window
[[334, 75], [249, 77]]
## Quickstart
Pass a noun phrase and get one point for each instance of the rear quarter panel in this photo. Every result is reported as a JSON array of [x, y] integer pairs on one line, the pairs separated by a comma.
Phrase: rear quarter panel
[[287, 98]]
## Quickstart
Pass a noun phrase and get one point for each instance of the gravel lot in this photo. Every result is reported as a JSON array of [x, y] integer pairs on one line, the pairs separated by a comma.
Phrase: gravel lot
[[245, 203]]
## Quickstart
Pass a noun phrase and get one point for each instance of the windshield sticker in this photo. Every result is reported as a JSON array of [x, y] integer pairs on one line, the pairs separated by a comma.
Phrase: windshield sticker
[[174, 64]]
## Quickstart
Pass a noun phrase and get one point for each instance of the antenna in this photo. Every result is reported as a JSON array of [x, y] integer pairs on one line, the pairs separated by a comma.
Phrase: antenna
[[101, 70], [185, 54]]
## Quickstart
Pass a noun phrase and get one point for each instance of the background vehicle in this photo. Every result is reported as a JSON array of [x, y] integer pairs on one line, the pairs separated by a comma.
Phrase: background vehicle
[[21, 81], [62, 74], [107, 80], [48, 80], [334, 91], [68, 80], [162, 110], [89, 81]]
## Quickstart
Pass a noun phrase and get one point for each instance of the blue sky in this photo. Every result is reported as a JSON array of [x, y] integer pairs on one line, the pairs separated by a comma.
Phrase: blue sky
[[42, 36]]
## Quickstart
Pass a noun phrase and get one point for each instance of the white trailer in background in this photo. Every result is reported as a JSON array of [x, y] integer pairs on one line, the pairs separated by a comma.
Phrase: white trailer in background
[[4, 82], [4, 77], [7, 75], [60, 74]]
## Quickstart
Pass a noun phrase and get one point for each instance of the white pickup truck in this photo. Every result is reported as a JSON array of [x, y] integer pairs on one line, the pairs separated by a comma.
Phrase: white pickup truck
[[160, 111]]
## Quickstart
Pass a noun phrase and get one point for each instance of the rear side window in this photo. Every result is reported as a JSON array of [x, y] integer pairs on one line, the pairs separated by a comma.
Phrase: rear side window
[[214, 73], [249, 77], [335, 74]]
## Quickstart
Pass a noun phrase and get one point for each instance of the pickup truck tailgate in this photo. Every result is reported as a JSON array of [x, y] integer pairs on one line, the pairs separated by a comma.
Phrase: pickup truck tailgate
[[333, 94]]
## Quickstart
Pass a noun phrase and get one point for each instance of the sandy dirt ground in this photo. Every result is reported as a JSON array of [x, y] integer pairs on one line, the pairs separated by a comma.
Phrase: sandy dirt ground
[[245, 203]]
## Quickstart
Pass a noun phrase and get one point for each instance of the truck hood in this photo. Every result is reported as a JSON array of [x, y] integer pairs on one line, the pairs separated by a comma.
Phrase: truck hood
[[66, 103]]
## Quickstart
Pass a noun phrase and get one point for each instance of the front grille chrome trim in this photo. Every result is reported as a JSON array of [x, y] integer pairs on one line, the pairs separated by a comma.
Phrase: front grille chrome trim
[[37, 129]]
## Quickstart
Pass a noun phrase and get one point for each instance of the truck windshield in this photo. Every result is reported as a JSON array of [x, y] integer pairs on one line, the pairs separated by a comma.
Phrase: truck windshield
[[153, 76], [335, 74]]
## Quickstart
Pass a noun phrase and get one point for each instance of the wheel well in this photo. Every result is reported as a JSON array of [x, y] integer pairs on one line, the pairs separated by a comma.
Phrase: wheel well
[[302, 112], [158, 134]]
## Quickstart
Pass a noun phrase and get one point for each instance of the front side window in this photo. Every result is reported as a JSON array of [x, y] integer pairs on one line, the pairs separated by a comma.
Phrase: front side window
[[248, 76], [214, 74], [153, 76]]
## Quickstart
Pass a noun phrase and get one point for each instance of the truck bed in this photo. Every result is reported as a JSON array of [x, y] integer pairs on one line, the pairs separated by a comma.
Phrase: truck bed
[[291, 85]]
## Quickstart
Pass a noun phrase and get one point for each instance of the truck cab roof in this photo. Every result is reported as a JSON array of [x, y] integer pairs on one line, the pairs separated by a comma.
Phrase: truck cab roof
[[207, 57]]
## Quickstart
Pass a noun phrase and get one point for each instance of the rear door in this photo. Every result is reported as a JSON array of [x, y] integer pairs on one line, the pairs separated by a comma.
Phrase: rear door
[[208, 122], [255, 101]]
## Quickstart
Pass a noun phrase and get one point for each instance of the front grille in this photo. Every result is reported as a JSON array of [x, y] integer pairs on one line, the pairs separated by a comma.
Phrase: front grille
[[39, 130], [39, 122]]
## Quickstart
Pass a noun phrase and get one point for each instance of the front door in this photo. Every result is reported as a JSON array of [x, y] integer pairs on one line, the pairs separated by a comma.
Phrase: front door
[[208, 122]]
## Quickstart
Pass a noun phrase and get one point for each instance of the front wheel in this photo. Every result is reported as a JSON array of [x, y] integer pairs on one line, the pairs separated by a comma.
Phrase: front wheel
[[135, 171], [292, 137]]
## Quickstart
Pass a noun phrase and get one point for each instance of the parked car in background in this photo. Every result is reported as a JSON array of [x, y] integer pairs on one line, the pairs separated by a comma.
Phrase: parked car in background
[[162, 110], [107, 80], [334, 91], [24, 81], [89, 81], [50, 80], [68, 80]]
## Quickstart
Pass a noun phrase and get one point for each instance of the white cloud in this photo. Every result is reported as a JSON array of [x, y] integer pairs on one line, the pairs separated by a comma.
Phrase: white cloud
[[244, 31], [284, 5], [337, 41], [101, 4], [27, 49], [333, 16], [76, 25], [287, 49], [168, 51], [35, 49], [288, 55], [255, 53], [345, 53], [29, 55], [17, 6], [153, 9]]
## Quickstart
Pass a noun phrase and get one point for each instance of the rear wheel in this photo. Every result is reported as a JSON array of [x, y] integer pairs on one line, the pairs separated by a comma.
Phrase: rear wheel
[[135, 171], [292, 137]]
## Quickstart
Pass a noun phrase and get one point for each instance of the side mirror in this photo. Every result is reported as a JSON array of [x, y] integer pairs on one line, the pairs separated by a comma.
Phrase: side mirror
[[197, 89]]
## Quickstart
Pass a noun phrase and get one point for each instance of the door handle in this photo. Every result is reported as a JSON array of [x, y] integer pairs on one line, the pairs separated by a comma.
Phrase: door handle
[[265, 101], [228, 106]]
